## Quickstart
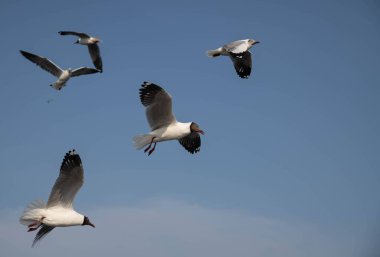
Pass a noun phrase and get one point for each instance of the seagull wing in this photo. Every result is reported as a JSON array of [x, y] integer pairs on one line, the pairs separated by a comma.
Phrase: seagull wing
[[236, 47], [68, 183], [95, 56], [44, 63], [83, 71], [242, 63], [158, 105], [72, 33], [191, 142], [44, 230]]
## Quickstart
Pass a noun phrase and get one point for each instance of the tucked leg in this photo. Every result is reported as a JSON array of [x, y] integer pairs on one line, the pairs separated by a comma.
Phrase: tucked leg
[[150, 145], [34, 226], [151, 151]]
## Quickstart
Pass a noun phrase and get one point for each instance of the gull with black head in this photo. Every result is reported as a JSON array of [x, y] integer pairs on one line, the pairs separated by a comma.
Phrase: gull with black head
[[163, 124], [59, 211]]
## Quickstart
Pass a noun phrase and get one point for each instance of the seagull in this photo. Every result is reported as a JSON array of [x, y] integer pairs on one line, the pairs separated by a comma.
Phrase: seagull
[[239, 54], [91, 42], [63, 75], [58, 212], [163, 124]]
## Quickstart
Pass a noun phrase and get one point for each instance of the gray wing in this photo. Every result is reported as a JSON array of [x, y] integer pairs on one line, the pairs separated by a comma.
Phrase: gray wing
[[191, 142], [158, 105], [95, 56], [236, 47], [242, 63], [44, 230], [83, 71], [72, 33], [68, 183], [44, 63]]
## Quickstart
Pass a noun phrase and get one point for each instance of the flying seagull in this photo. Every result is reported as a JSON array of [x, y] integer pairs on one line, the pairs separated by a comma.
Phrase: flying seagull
[[92, 44], [162, 122], [239, 53], [62, 75], [58, 212]]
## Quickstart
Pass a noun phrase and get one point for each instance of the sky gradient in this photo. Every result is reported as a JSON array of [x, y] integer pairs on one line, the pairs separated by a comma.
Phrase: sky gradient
[[289, 165]]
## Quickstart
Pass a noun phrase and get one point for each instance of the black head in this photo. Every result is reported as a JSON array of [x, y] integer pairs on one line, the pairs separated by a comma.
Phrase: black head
[[86, 221], [195, 128]]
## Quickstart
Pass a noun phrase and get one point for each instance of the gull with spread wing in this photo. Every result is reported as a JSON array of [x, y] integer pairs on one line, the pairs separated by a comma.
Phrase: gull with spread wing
[[163, 124], [92, 44], [62, 75], [58, 212], [239, 53]]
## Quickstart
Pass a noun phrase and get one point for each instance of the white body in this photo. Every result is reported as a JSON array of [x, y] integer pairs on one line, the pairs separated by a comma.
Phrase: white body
[[63, 78], [62, 217], [88, 41], [235, 47], [56, 216], [174, 131]]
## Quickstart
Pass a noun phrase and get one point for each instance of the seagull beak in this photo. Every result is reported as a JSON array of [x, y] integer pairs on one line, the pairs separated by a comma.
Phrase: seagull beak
[[257, 42], [201, 131], [92, 225]]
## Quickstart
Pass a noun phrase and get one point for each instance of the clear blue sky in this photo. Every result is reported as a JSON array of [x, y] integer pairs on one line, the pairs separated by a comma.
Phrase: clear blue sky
[[289, 165]]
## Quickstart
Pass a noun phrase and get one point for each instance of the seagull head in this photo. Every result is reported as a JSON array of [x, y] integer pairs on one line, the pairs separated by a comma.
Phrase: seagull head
[[252, 42], [194, 127], [86, 221]]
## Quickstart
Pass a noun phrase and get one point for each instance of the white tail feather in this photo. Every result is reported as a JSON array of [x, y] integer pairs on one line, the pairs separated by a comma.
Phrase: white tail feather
[[33, 212], [214, 53], [142, 140]]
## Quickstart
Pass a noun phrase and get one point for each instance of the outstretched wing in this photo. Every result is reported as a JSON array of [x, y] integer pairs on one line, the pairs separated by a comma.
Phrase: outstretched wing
[[43, 62], [68, 183], [191, 142], [83, 71], [158, 105], [44, 230], [242, 63], [95, 56], [73, 33]]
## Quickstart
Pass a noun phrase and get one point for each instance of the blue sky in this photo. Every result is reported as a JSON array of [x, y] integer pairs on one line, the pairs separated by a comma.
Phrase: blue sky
[[289, 163]]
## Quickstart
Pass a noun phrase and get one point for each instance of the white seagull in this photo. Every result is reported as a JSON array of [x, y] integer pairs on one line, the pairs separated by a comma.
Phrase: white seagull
[[58, 212], [162, 122], [62, 75], [92, 44], [239, 54]]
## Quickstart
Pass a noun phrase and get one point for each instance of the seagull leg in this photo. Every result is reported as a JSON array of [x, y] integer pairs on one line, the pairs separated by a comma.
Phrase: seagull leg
[[34, 226], [149, 146], [151, 151]]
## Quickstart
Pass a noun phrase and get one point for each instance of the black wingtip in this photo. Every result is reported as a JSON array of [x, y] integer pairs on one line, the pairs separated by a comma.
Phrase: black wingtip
[[71, 160]]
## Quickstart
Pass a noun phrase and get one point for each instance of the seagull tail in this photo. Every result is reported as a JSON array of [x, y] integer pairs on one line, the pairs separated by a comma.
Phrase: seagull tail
[[140, 141], [33, 212], [214, 53]]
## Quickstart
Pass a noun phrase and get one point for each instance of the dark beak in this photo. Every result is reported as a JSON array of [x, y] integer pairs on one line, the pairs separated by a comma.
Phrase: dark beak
[[257, 42], [90, 224]]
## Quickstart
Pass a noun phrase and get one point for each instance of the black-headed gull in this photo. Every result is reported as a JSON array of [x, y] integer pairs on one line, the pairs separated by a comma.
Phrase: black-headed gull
[[162, 122], [58, 212], [239, 54], [63, 75], [92, 44]]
